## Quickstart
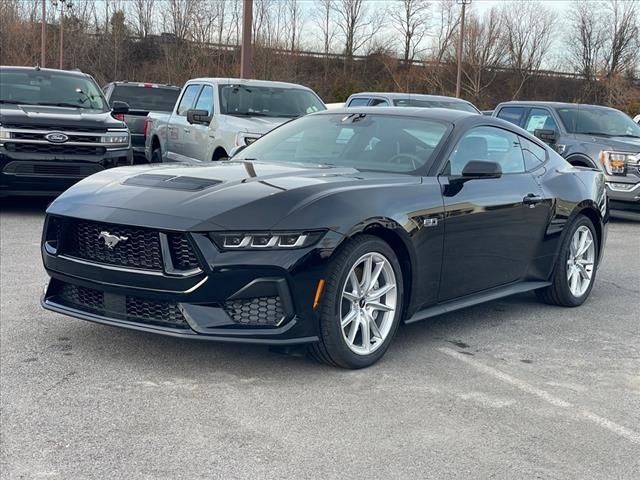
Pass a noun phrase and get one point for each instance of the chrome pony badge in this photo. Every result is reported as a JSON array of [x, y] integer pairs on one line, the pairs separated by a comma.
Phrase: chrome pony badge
[[111, 240], [56, 137]]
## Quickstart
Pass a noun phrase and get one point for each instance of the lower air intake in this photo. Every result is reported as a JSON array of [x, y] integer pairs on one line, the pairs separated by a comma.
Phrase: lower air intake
[[264, 311]]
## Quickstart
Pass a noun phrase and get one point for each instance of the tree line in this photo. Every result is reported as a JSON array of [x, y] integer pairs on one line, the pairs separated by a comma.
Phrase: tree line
[[518, 50]]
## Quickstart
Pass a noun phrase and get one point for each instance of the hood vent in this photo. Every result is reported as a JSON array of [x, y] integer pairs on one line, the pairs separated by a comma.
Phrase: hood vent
[[189, 184]]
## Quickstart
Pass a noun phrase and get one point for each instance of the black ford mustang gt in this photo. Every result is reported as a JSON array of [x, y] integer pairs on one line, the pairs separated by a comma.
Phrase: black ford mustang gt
[[330, 230]]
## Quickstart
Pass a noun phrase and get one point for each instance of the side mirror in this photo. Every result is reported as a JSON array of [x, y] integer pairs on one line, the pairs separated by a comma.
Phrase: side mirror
[[236, 150], [481, 169], [119, 108], [550, 137], [201, 117]]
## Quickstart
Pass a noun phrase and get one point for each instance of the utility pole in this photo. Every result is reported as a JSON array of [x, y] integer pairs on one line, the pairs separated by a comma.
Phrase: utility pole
[[63, 4], [43, 34], [245, 52], [464, 4]]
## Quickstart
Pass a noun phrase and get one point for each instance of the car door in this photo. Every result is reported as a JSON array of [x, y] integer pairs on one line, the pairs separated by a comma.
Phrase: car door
[[492, 225], [179, 130], [203, 135]]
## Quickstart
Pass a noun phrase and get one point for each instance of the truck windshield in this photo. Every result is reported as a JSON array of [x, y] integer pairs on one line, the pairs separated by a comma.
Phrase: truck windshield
[[598, 121], [146, 98], [51, 88], [387, 143], [450, 104], [252, 101]]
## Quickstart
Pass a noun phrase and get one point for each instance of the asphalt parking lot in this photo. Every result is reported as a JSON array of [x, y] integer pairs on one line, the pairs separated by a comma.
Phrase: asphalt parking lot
[[510, 389]]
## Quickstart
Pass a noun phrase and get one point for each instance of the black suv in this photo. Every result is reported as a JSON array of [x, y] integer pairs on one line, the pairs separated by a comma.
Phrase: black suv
[[56, 128], [588, 136], [142, 98]]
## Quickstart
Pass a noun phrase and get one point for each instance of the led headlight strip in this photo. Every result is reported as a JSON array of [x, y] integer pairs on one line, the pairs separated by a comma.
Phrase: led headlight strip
[[265, 240]]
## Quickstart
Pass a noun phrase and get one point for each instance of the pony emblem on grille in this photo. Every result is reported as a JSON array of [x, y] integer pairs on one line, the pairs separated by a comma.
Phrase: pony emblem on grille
[[111, 240]]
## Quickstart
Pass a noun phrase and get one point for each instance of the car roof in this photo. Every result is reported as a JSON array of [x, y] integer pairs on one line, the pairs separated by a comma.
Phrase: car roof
[[530, 103], [245, 81], [445, 114], [46, 70], [400, 96], [144, 84]]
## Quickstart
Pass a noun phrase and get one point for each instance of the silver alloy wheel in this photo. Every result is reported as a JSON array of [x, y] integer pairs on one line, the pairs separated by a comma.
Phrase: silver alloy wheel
[[368, 304], [581, 261]]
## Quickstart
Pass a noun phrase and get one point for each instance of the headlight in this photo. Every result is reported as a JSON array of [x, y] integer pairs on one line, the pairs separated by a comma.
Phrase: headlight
[[265, 240], [244, 139], [615, 163], [116, 138]]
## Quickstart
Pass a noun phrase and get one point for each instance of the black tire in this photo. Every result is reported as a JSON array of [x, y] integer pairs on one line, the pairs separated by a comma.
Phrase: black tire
[[156, 155], [559, 293], [332, 348]]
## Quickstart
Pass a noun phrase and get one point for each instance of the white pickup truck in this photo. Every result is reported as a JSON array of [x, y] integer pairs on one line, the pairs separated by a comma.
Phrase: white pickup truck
[[215, 115]]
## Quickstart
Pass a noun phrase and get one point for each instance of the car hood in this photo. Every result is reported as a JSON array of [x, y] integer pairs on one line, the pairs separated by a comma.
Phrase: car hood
[[60, 117], [259, 125], [227, 195], [625, 144]]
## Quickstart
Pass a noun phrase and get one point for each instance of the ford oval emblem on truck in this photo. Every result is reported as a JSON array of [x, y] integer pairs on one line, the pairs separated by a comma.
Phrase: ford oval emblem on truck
[[56, 137]]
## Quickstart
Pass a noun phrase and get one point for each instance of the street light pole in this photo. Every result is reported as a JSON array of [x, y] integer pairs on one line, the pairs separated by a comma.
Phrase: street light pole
[[464, 4], [62, 34], [43, 34], [245, 52]]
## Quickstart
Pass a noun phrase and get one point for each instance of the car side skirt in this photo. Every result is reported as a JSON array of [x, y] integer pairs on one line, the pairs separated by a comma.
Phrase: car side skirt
[[476, 299]]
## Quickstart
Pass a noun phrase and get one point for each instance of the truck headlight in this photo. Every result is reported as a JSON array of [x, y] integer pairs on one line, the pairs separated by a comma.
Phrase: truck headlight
[[615, 163], [116, 138], [244, 139], [265, 240]]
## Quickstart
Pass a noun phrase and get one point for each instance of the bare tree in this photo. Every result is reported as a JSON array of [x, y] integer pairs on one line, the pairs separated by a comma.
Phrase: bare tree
[[179, 17], [483, 52], [447, 22], [410, 18], [585, 38], [295, 22], [528, 29], [357, 22], [204, 18], [323, 18], [143, 11], [622, 44]]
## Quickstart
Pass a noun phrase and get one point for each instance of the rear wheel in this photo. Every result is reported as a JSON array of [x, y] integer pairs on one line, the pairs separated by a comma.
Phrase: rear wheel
[[361, 305], [576, 266], [156, 155]]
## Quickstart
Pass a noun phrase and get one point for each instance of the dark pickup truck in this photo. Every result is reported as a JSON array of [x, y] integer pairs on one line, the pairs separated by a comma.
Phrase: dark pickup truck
[[56, 128], [588, 136], [142, 98]]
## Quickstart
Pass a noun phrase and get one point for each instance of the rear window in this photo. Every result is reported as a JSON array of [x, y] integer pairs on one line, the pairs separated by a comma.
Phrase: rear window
[[148, 99], [511, 114]]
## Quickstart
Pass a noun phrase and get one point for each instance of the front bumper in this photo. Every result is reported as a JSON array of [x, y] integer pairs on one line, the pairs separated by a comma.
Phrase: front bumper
[[45, 174], [624, 201], [263, 297]]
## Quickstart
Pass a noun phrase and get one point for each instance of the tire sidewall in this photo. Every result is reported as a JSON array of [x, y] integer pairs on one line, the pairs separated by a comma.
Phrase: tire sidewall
[[564, 256], [330, 313], [156, 156]]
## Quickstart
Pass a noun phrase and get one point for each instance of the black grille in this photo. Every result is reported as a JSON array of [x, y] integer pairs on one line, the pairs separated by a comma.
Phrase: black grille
[[54, 149], [147, 311], [55, 169], [137, 247], [42, 136], [86, 298], [255, 311], [182, 254], [133, 309], [56, 128]]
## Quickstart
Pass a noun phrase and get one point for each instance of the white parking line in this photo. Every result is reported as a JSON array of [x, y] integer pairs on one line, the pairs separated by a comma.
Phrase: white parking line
[[624, 432]]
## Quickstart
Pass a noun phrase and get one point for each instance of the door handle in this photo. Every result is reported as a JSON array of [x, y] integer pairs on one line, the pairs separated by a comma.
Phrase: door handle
[[186, 130], [532, 199]]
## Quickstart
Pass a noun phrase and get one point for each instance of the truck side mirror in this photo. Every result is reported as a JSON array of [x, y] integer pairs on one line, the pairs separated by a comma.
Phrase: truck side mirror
[[201, 117], [119, 108], [550, 137]]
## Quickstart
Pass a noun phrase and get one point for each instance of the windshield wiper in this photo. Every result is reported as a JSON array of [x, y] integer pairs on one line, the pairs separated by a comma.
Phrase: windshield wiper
[[60, 104], [249, 114], [627, 135], [15, 102]]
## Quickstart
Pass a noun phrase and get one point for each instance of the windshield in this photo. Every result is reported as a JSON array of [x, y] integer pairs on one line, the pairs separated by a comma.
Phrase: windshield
[[450, 104], [148, 99], [388, 143], [598, 121], [244, 100], [40, 87]]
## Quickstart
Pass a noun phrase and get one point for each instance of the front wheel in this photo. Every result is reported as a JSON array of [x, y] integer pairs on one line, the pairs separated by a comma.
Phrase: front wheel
[[156, 155], [361, 305], [576, 267]]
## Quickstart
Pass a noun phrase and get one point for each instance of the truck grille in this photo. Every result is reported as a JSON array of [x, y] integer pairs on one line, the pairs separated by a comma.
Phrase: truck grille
[[42, 137], [53, 128], [133, 309], [54, 169], [52, 149], [134, 247]]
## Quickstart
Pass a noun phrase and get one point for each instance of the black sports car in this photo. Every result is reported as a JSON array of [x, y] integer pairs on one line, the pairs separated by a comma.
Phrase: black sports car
[[330, 230]]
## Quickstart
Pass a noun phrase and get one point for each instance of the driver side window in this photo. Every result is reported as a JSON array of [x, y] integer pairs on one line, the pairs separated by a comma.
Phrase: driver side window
[[489, 144]]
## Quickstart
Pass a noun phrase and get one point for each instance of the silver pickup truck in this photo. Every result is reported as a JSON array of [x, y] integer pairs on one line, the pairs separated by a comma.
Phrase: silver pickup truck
[[215, 115]]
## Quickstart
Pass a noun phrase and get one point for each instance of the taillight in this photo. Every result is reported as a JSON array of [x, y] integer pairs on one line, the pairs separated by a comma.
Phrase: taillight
[[145, 129], [119, 116]]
